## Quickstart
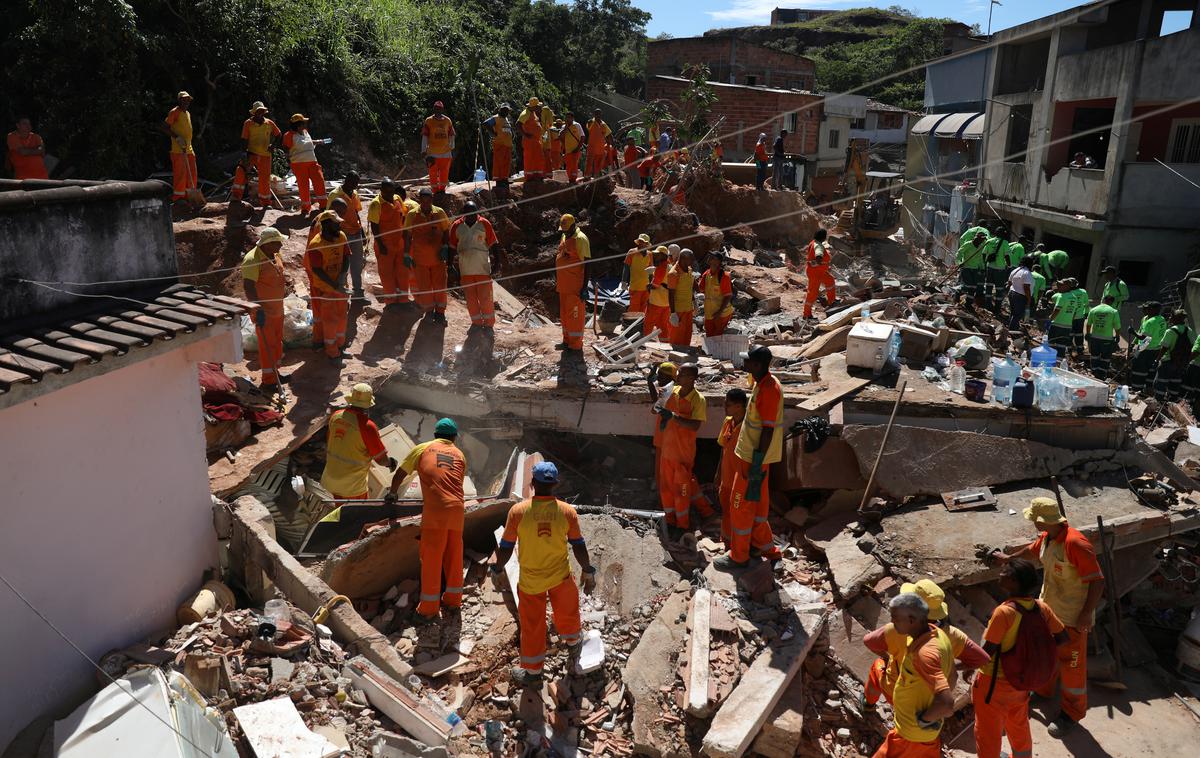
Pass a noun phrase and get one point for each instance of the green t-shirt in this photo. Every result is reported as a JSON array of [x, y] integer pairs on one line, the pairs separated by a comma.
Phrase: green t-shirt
[[1039, 286], [1153, 327], [1064, 303], [969, 257], [1103, 321], [1057, 260], [1195, 350], [969, 235], [1080, 296], [995, 252], [1016, 251], [1172, 336], [1118, 290]]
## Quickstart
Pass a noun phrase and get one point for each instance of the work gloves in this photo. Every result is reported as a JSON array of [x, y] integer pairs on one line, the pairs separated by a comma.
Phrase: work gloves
[[499, 578], [664, 416], [587, 582], [674, 319], [409, 262], [921, 722], [391, 499], [444, 253], [260, 318], [757, 472]]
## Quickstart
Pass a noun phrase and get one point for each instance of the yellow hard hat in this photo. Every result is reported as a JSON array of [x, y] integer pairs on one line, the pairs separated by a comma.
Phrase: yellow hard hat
[[933, 595], [668, 368], [566, 222], [361, 396], [1043, 510], [257, 106], [328, 215], [270, 234]]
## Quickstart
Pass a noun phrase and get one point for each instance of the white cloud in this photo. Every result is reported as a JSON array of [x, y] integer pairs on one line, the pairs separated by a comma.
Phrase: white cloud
[[760, 10]]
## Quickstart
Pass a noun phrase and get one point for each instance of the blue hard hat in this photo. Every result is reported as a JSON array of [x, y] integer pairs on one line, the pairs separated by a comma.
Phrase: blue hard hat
[[545, 473]]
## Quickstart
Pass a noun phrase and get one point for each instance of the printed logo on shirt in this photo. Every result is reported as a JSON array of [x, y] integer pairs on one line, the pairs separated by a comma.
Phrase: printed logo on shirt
[[445, 461], [543, 529]]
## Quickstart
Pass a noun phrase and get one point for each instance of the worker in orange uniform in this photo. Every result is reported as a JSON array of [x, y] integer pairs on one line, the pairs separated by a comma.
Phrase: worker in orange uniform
[[683, 413], [479, 252], [258, 132], [631, 154], [760, 443], [554, 147], [598, 134], [427, 252], [574, 250], [441, 468], [760, 161], [386, 214], [352, 226], [573, 140], [635, 273], [1072, 588], [178, 126], [718, 296], [923, 696], [612, 156], [530, 123], [817, 259], [646, 168], [27, 152], [500, 131], [352, 443], [891, 646], [681, 284], [266, 286], [735, 414], [302, 154], [660, 383], [658, 302], [540, 529], [437, 143], [1022, 634], [328, 258]]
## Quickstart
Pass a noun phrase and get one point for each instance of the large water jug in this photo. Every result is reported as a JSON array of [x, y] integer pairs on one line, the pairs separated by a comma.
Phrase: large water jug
[[1044, 355], [1051, 393], [480, 174], [1003, 376]]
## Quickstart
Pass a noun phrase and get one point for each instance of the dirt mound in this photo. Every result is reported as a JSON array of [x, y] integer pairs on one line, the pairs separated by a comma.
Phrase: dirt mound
[[204, 244], [719, 203]]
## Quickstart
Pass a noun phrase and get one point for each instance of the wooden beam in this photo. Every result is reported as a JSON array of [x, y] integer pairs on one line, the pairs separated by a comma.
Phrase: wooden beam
[[698, 657]]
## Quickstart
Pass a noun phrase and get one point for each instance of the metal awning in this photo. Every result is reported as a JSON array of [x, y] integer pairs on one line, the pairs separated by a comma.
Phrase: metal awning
[[973, 129], [926, 123], [953, 125]]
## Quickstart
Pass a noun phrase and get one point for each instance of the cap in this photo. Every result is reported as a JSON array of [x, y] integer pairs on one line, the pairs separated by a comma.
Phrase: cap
[[933, 595], [545, 472], [183, 95], [425, 192], [438, 104], [673, 250], [503, 106], [361, 396], [298, 117], [758, 353], [387, 182], [566, 222], [668, 368], [270, 234], [445, 428], [1108, 270], [1043, 510], [534, 102], [661, 249], [328, 215], [257, 106], [643, 239]]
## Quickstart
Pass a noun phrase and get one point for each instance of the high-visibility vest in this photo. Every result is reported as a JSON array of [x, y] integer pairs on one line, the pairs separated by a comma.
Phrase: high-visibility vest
[[913, 694], [347, 464], [1062, 589]]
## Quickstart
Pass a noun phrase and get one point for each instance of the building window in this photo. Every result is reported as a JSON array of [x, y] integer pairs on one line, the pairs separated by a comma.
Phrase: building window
[[751, 81], [890, 120], [1185, 141], [835, 138], [1019, 118], [1135, 273], [858, 123]]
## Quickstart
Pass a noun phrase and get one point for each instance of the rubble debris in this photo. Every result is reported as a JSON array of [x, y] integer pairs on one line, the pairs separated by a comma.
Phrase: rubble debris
[[273, 729]]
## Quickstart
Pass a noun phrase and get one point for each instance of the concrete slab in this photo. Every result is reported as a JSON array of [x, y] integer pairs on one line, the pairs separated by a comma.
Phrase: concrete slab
[[631, 568], [846, 641], [651, 667], [852, 569]]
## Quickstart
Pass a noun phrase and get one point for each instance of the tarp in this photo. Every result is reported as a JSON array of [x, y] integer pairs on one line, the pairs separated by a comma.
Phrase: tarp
[[115, 723]]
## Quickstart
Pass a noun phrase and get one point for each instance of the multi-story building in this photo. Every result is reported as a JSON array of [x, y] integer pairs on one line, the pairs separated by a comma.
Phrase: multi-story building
[[838, 113], [882, 124], [1093, 138], [731, 61]]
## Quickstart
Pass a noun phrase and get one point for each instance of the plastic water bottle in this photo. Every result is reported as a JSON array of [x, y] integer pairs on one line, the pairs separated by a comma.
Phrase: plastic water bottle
[[1043, 355], [480, 174], [445, 712], [958, 377], [1121, 397], [1003, 377], [865, 313]]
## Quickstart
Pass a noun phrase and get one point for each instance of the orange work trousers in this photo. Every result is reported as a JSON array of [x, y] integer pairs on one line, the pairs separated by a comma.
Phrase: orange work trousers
[[439, 174], [394, 276], [318, 332], [564, 604], [237, 190], [875, 686], [335, 308], [818, 279], [638, 300], [572, 160], [480, 302], [310, 180], [534, 159], [571, 312], [1072, 673], [270, 346], [675, 482], [431, 287], [895, 746], [725, 497], [715, 327], [501, 161], [682, 334], [748, 518], [441, 554], [262, 166], [183, 174], [1007, 713], [595, 163], [657, 317]]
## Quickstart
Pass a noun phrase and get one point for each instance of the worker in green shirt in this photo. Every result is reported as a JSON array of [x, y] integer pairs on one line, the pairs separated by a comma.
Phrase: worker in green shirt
[[995, 253], [1103, 323], [1173, 354], [1115, 286], [971, 264], [1191, 376], [1082, 302], [1062, 313], [1016, 251], [969, 235], [1054, 264], [1146, 341], [1039, 286]]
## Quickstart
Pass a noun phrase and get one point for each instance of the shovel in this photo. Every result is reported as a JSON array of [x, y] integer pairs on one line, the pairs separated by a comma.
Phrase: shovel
[[193, 193]]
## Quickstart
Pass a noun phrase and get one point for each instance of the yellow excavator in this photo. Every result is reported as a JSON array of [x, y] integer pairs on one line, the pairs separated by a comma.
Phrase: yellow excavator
[[874, 196]]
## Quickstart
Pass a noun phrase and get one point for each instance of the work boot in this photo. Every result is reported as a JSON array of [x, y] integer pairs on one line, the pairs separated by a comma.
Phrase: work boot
[[727, 563], [524, 678], [420, 619], [675, 533], [1060, 726], [561, 346]]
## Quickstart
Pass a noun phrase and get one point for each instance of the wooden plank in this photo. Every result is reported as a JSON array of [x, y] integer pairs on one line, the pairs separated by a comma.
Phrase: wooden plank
[[838, 388], [508, 303], [171, 327], [698, 661], [827, 344], [205, 313], [443, 665], [761, 687], [846, 317], [231, 310]]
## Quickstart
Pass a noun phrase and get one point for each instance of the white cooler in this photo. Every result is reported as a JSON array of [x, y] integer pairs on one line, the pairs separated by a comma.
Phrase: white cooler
[[869, 345]]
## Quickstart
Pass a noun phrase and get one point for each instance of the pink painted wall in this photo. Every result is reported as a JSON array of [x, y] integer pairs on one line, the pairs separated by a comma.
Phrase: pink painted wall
[[107, 522]]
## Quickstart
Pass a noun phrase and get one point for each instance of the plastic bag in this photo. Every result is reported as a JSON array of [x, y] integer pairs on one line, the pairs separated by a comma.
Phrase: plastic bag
[[297, 323], [249, 336]]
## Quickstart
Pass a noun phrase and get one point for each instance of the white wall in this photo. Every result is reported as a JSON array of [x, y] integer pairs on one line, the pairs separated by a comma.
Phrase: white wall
[[107, 522]]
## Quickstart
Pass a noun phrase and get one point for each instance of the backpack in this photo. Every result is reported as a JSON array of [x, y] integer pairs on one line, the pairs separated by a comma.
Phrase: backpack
[[1032, 661], [1182, 350]]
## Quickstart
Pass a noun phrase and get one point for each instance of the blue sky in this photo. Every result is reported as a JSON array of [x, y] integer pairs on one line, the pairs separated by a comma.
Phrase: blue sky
[[688, 18]]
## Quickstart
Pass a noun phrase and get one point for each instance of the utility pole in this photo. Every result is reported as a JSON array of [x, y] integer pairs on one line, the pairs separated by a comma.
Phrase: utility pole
[[990, 6]]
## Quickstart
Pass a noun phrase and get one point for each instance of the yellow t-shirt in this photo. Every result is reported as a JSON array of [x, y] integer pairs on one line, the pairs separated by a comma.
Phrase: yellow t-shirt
[[638, 262], [258, 136], [684, 284], [542, 528], [658, 290], [180, 122]]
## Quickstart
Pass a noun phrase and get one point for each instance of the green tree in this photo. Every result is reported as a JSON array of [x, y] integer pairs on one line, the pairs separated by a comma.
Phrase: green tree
[[697, 98]]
